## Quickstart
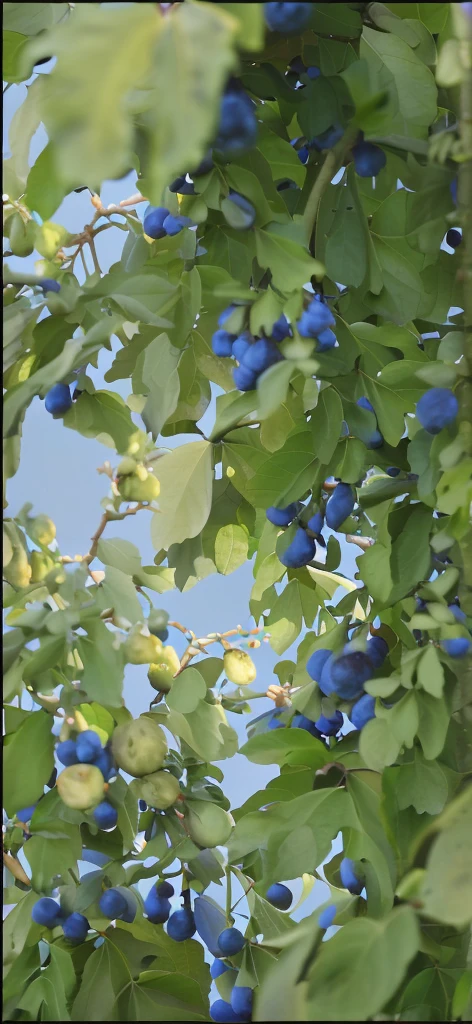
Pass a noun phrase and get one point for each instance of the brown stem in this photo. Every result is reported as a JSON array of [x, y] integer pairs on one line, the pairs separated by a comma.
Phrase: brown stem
[[16, 869]]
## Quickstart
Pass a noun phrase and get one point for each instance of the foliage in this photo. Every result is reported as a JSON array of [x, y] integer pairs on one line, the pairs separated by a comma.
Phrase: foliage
[[287, 220]]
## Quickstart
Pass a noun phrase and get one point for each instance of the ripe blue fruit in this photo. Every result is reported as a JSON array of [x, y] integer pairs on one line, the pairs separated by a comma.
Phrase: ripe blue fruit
[[241, 1002], [288, 18], [279, 895], [231, 941], [281, 329], [327, 916], [326, 340], [173, 225], [58, 400], [313, 72], [330, 726], [180, 185], [154, 221], [181, 925], [223, 1013], [457, 612], [48, 284], [261, 355], [204, 167], [282, 516], [142, 805], [241, 345], [364, 403], [316, 663], [274, 720], [454, 237], [222, 343], [325, 681], [453, 190], [302, 722], [458, 647], [156, 907], [349, 878], [315, 319], [26, 813], [46, 912], [393, 471], [368, 159], [376, 650], [218, 968], [362, 711], [349, 673], [104, 762], [300, 551], [436, 409], [75, 928], [88, 746], [303, 154], [225, 315], [237, 129], [112, 904], [165, 890], [66, 753], [327, 139], [244, 379], [315, 524], [106, 816], [340, 506], [244, 216]]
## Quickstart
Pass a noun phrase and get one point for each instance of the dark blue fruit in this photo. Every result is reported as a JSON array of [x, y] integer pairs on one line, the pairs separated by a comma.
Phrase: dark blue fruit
[[281, 329], [58, 400], [279, 895], [154, 221], [156, 908], [75, 928], [142, 805], [303, 154], [316, 663], [223, 1013], [89, 746], [222, 343], [261, 355], [362, 711], [243, 216], [177, 183], [327, 916], [173, 225], [453, 190], [241, 1002], [315, 319], [237, 130], [204, 167], [181, 925], [376, 650], [436, 409], [454, 237], [244, 379], [302, 722], [393, 471], [282, 516], [113, 904], [458, 647], [104, 762], [325, 681], [349, 879], [66, 753], [106, 816], [364, 403], [26, 813], [231, 941], [287, 18], [326, 340], [241, 345], [327, 139], [349, 673], [165, 890], [330, 726], [218, 968], [368, 159], [301, 551], [46, 912], [48, 284], [340, 506], [457, 612], [313, 72], [316, 523]]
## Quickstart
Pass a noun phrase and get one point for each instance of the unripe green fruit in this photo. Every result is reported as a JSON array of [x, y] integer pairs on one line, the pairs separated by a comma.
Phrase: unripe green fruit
[[139, 487], [207, 824], [22, 236], [160, 790], [81, 786], [141, 650], [157, 620], [126, 466], [41, 564], [239, 667], [162, 671], [139, 747], [42, 530], [18, 570]]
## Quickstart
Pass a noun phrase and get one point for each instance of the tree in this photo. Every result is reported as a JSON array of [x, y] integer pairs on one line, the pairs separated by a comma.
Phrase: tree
[[303, 163]]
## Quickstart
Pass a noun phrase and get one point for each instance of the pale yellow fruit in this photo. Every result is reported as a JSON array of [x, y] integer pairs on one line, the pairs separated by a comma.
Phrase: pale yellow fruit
[[160, 790], [81, 786], [126, 466], [162, 671], [141, 486], [18, 571], [207, 824], [139, 747], [140, 649], [42, 530], [239, 667], [41, 564]]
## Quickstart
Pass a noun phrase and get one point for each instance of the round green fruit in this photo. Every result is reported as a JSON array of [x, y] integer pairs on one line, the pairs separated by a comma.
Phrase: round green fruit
[[42, 530], [81, 786], [160, 790], [139, 747], [239, 667], [161, 672], [22, 236], [41, 564], [18, 571], [127, 466], [140, 649], [157, 620], [139, 486], [207, 824]]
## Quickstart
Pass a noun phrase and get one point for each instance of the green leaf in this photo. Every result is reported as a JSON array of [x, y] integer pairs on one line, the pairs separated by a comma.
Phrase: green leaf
[[206, 731], [185, 476], [119, 593], [285, 746], [188, 689], [51, 992], [102, 677], [378, 745], [285, 620], [409, 81], [447, 888], [100, 984], [120, 554], [251, 25], [368, 959], [103, 415], [13, 65], [162, 383], [48, 857], [44, 192], [325, 421], [272, 388], [433, 724], [290, 263], [421, 784], [231, 548], [24, 787], [430, 672]]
